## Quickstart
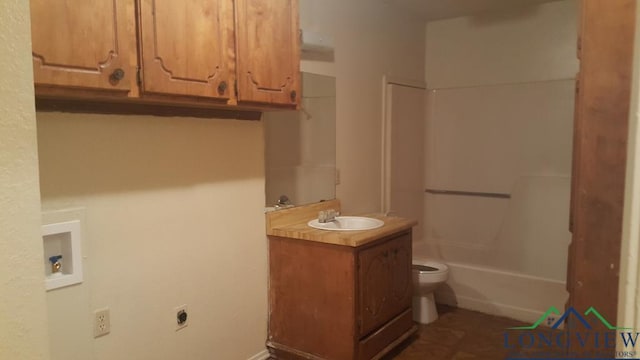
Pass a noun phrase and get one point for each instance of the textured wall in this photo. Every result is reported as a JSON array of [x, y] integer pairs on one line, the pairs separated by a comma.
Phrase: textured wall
[[173, 214], [23, 321]]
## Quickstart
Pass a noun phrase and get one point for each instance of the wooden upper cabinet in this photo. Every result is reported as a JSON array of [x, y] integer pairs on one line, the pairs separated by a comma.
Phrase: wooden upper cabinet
[[80, 44], [187, 47], [186, 52], [268, 51]]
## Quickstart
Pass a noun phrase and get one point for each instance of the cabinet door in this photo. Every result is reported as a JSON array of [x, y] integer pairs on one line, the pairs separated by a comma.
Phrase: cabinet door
[[82, 44], [268, 51], [187, 47], [400, 267], [384, 282]]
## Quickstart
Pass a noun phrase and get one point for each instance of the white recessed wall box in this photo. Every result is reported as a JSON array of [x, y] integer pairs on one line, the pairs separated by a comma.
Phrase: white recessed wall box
[[62, 254], [315, 42]]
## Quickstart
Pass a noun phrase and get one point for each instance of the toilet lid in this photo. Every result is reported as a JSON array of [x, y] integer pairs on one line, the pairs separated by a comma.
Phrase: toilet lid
[[424, 268]]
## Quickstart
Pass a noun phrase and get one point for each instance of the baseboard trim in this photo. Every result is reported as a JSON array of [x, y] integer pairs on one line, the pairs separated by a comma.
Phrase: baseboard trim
[[262, 355], [491, 307]]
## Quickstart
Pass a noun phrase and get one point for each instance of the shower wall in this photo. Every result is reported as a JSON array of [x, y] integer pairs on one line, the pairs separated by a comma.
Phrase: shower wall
[[499, 120]]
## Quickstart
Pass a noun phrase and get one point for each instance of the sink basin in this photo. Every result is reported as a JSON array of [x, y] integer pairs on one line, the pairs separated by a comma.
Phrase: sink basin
[[347, 223]]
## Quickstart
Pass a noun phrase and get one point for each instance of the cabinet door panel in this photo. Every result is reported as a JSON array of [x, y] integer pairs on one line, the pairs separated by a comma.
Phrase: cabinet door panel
[[81, 44], [384, 282], [187, 47], [375, 289], [268, 51], [401, 286]]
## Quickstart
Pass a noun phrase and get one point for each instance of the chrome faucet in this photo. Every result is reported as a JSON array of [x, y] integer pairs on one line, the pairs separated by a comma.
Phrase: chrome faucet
[[327, 216]]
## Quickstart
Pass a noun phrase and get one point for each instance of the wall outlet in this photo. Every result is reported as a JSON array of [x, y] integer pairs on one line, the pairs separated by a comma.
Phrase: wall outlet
[[101, 322], [182, 318]]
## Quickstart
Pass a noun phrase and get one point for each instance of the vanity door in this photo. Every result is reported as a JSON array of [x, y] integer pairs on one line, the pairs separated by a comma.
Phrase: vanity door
[[384, 282]]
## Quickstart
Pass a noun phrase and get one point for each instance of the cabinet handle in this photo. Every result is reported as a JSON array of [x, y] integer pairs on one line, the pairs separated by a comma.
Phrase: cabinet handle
[[116, 76], [293, 94], [222, 87]]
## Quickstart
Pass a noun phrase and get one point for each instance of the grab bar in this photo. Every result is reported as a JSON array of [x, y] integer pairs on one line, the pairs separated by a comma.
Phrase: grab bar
[[468, 193]]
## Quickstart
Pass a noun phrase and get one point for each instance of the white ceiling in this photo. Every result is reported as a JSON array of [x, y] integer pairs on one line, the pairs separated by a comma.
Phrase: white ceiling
[[442, 9]]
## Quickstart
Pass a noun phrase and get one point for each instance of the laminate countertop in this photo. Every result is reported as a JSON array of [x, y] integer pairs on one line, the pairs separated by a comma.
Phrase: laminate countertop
[[300, 230]]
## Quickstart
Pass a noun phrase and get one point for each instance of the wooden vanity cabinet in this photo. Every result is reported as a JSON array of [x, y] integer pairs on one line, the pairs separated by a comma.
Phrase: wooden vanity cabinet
[[169, 52], [339, 302], [81, 45]]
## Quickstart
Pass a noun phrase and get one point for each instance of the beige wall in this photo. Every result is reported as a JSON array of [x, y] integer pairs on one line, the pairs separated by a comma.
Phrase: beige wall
[[500, 120], [172, 212], [23, 320], [372, 38]]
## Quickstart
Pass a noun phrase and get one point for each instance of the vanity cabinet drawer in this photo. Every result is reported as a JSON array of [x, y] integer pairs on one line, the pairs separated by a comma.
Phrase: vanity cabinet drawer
[[388, 334]]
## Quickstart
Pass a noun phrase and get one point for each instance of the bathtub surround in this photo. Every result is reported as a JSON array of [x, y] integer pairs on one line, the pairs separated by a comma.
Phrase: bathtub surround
[[500, 115]]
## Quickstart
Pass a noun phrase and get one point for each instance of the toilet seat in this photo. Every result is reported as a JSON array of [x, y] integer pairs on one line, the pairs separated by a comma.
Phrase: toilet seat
[[429, 267]]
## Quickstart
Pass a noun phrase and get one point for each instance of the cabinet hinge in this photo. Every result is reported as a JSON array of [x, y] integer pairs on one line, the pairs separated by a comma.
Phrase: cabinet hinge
[[235, 87], [139, 76]]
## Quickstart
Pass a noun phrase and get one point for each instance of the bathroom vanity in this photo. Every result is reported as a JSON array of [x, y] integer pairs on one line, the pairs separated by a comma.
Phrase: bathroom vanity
[[337, 295]]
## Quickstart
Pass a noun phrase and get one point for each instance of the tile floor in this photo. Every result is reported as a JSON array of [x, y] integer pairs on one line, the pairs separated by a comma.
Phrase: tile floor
[[458, 334]]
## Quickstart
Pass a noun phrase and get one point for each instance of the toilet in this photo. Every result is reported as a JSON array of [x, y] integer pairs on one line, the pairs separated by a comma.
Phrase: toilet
[[427, 276]]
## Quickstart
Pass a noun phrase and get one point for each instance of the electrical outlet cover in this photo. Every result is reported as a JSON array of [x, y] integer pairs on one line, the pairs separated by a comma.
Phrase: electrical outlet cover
[[101, 322]]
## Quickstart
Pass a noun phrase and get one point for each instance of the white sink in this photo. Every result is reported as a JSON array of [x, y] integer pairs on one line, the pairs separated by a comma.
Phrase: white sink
[[347, 223]]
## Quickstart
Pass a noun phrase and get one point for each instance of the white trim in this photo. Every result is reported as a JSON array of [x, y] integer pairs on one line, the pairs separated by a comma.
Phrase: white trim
[[491, 307], [73, 248], [262, 355], [419, 84], [629, 281], [385, 166]]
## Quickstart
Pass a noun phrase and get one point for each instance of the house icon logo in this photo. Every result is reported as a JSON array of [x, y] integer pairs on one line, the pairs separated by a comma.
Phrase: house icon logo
[[590, 332], [571, 312]]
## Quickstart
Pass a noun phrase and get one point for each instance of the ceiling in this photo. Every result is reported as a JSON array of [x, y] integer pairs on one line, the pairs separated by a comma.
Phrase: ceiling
[[442, 9]]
